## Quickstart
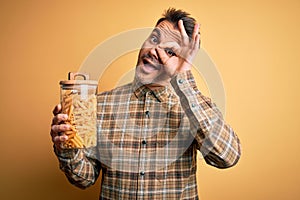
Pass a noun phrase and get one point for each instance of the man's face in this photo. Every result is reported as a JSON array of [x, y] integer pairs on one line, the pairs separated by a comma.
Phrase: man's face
[[149, 66]]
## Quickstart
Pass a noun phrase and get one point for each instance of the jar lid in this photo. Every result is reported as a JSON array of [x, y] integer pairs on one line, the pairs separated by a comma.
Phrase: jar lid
[[73, 81]]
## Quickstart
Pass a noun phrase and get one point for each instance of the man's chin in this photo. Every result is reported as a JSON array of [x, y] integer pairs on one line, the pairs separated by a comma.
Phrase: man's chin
[[153, 82], [151, 79], [143, 80]]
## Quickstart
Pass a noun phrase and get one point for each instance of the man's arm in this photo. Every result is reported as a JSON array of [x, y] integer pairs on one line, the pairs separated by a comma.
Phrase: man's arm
[[79, 165], [81, 170], [215, 139]]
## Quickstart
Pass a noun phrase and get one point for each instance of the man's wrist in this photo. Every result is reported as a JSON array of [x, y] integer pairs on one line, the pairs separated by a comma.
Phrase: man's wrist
[[185, 66], [186, 77], [65, 153]]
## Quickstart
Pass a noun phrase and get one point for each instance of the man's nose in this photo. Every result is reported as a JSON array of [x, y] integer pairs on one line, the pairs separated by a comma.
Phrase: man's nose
[[153, 52]]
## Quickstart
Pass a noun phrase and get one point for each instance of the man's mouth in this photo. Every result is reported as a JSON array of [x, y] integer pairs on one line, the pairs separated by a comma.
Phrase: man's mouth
[[149, 65]]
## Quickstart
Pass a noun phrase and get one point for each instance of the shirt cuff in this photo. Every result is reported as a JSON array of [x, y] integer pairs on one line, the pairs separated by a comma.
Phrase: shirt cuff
[[65, 153], [184, 80]]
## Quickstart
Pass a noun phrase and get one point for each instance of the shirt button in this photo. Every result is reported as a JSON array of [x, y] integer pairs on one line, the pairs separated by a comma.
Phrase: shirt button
[[150, 93], [147, 113], [180, 81], [142, 173], [193, 105], [144, 142]]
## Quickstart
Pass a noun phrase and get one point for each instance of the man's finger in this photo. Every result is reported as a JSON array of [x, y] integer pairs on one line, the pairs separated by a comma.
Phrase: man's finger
[[182, 29], [197, 42], [57, 109], [162, 55], [59, 139], [195, 31], [60, 128], [59, 118]]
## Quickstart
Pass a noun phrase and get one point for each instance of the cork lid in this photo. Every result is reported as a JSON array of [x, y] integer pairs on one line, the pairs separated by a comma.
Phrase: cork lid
[[84, 79]]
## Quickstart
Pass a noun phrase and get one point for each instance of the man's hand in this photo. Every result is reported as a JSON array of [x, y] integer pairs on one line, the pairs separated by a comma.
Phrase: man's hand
[[58, 127], [182, 56]]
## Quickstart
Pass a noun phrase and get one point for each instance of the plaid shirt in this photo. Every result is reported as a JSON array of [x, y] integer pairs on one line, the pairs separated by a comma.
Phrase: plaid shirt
[[148, 142]]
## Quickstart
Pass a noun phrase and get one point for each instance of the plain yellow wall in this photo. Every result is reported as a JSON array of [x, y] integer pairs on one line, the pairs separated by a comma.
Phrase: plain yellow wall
[[255, 45]]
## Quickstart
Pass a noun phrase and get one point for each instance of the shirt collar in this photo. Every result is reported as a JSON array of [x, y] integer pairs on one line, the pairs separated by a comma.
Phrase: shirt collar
[[162, 94]]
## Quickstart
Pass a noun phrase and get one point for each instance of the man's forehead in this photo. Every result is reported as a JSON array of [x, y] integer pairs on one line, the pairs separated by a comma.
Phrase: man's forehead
[[166, 29]]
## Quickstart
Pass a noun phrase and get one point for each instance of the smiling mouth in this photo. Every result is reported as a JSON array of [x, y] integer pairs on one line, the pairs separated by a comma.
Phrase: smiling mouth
[[149, 66]]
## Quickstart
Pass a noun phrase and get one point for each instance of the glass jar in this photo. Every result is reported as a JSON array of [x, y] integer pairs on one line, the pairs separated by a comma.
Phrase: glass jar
[[79, 102]]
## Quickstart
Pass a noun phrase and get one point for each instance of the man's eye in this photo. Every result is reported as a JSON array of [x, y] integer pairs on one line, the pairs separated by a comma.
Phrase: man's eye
[[154, 39], [170, 52]]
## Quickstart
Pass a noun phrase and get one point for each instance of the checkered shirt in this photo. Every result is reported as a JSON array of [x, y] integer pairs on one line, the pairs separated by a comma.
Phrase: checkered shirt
[[148, 141]]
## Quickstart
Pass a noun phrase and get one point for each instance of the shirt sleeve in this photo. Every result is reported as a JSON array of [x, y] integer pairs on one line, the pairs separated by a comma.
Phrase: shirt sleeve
[[79, 165], [215, 139]]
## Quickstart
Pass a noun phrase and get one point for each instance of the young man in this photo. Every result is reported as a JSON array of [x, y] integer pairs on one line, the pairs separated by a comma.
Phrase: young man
[[149, 131]]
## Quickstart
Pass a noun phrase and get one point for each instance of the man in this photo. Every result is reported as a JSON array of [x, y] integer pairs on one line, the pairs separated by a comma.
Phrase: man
[[149, 131]]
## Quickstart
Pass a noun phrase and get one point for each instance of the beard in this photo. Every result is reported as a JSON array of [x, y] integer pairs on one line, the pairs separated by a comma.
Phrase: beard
[[158, 79]]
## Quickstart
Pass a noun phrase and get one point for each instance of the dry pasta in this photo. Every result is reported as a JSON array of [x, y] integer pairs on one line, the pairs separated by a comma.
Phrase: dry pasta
[[82, 119]]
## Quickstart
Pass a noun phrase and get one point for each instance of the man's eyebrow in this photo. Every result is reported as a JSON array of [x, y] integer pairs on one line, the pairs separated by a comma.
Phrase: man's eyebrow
[[157, 31]]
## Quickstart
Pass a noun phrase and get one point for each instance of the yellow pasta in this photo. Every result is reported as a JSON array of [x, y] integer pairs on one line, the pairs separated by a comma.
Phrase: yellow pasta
[[82, 119]]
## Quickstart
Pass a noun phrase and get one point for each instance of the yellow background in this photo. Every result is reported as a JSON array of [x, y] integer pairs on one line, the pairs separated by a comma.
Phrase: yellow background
[[255, 45]]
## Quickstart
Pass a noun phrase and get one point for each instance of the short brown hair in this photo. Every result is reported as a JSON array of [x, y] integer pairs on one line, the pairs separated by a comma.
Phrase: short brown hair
[[172, 15]]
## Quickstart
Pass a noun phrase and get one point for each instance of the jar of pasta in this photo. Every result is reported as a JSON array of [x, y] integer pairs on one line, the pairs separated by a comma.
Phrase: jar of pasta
[[78, 100]]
